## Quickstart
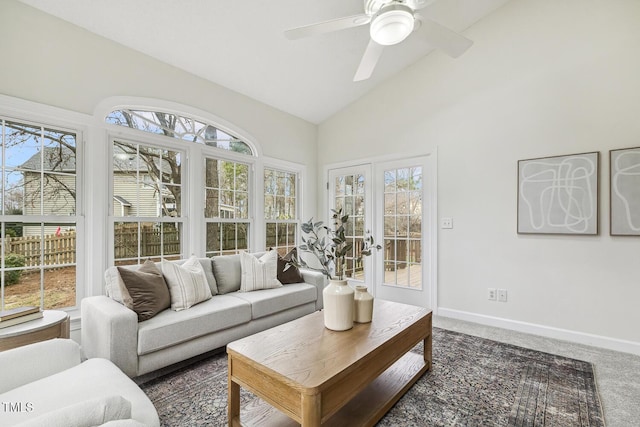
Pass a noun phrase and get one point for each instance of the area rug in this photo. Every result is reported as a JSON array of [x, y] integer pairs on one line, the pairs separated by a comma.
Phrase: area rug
[[474, 382]]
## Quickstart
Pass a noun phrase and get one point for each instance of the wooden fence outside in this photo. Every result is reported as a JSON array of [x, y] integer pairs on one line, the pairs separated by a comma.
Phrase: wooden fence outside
[[151, 239], [62, 249], [57, 249]]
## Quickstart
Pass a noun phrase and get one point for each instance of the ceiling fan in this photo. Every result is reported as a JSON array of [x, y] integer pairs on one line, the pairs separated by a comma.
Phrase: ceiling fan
[[390, 22]]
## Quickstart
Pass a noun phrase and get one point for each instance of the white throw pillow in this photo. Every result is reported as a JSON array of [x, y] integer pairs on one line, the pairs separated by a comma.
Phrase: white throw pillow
[[187, 283], [259, 273], [116, 289]]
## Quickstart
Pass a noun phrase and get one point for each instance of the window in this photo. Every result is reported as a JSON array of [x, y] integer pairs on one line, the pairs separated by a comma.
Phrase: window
[[226, 208], [403, 227], [175, 126], [280, 209], [147, 202], [39, 216], [151, 206]]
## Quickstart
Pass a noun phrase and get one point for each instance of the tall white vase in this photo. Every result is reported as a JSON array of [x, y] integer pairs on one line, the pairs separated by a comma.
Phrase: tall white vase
[[338, 305]]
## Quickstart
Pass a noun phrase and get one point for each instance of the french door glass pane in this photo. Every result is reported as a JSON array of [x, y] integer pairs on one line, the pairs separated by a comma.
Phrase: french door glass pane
[[403, 227], [349, 198]]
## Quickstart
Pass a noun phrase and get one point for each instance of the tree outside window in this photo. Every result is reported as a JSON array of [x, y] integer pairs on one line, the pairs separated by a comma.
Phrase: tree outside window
[[226, 206], [280, 209]]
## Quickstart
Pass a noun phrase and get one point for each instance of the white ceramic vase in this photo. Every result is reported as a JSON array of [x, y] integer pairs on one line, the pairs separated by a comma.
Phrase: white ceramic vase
[[362, 305], [338, 305]]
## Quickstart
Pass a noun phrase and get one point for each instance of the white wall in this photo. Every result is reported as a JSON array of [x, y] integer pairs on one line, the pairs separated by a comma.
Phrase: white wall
[[50, 61], [543, 78]]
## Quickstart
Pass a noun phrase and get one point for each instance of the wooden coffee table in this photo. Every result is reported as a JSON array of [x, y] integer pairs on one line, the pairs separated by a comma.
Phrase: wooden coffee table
[[315, 376]]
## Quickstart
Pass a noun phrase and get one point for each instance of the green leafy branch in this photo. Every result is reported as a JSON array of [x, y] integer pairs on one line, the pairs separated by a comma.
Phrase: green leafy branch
[[329, 245]]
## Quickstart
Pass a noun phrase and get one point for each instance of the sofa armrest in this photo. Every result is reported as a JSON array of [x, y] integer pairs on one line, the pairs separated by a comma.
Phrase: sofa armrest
[[32, 362], [110, 331], [316, 279]]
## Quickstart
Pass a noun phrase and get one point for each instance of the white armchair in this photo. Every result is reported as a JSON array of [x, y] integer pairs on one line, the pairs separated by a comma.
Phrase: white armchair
[[47, 384]]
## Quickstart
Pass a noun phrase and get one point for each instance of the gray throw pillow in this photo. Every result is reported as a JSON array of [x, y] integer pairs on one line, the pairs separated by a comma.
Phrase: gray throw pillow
[[228, 272], [147, 288]]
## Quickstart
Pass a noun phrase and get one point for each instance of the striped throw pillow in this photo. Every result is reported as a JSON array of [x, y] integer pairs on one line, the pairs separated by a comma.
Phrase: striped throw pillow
[[187, 283], [259, 273]]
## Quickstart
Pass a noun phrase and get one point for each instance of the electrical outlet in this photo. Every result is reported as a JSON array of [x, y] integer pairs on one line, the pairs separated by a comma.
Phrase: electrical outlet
[[446, 222], [502, 295], [491, 294]]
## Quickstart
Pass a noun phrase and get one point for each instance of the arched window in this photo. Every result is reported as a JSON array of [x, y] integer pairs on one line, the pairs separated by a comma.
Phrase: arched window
[[153, 210], [180, 127], [183, 182]]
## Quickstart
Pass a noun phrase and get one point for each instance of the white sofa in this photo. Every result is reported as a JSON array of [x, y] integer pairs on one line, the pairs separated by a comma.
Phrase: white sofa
[[112, 331], [46, 384]]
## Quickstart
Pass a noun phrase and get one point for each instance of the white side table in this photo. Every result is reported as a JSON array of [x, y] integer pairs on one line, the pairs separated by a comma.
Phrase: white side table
[[53, 324]]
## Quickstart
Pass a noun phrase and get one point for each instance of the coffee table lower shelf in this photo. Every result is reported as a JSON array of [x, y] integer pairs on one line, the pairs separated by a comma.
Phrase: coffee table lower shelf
[[365, 409]]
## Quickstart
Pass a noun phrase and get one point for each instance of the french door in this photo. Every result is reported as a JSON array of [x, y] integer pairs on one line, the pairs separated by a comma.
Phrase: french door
[[395, 202], [405, 220]]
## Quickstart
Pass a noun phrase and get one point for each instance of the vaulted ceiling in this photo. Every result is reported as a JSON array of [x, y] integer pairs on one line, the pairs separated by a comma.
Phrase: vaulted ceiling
[[241, 45]]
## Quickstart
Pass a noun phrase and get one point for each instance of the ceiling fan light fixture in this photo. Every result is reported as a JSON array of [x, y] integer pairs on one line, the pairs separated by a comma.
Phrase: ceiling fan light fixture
[[392, 24]]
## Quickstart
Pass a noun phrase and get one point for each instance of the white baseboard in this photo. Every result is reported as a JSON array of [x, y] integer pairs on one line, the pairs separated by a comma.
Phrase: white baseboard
[[545, 331]]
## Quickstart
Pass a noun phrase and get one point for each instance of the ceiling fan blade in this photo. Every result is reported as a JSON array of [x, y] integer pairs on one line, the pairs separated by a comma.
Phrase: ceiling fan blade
[[368, 61], [327, 26], [443, 38]]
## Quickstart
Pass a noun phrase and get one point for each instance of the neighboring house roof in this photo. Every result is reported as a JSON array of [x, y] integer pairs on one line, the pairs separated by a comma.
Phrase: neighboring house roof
[[61, 159], [122, 200]]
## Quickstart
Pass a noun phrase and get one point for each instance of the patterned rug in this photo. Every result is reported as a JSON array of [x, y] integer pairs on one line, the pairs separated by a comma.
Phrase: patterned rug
[[474, 382]]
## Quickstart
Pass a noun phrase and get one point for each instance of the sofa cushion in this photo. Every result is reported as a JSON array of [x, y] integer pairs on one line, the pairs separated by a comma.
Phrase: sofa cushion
[[147, 288], [259, 273], [187, 283], [291, 274], [173, 327], [84, 413], [228, 272], [91, 379], [270, 301]]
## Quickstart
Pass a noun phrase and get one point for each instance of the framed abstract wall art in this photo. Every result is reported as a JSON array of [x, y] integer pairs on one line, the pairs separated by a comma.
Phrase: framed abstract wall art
[[624, 169], [558, 195]]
